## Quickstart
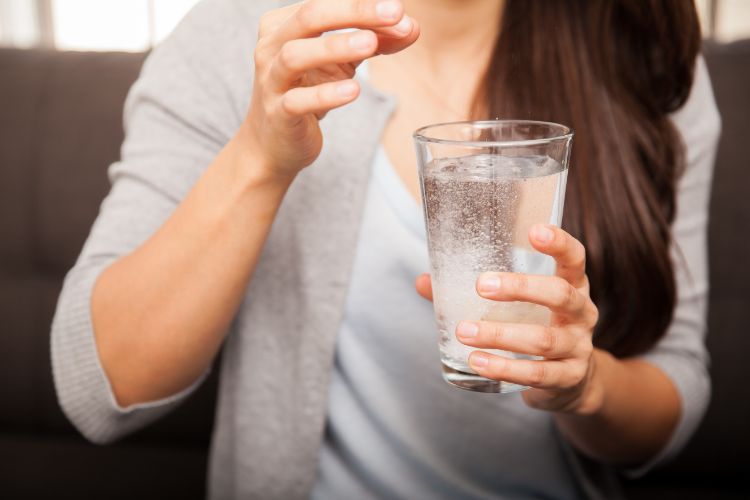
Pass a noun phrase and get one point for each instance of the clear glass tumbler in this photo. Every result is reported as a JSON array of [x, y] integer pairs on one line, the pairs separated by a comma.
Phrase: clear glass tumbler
[[484, 184]]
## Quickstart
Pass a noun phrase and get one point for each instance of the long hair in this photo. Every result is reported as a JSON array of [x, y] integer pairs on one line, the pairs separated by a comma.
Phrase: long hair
[[613, 70]]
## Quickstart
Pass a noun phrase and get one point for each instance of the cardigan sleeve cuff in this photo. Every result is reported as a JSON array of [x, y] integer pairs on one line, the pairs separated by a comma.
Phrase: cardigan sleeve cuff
[[690, 377], [83, 390]]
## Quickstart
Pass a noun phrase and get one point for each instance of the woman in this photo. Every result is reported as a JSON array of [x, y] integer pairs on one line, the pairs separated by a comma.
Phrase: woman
[[219, 230]]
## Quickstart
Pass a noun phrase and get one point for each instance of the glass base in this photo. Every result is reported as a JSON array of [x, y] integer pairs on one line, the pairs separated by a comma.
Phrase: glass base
[[475, 383]]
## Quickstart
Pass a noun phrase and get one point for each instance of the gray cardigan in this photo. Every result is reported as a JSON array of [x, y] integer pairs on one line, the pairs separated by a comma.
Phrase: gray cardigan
[[191, 97]]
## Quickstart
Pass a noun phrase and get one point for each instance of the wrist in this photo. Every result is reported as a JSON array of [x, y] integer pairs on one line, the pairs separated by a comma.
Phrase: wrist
[[592, 400], [255, 168]]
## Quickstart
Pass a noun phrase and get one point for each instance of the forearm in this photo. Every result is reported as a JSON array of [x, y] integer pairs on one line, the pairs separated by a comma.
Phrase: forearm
[[633, 409], [161, 312]]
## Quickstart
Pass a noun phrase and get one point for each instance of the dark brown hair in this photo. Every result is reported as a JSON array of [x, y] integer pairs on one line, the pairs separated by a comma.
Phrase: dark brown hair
[[612, 70]]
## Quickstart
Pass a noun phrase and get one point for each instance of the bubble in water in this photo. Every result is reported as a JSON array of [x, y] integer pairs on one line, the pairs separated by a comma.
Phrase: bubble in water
[[478, 210]]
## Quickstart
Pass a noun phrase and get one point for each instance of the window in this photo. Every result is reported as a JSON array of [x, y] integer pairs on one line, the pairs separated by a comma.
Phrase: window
[[101, 25], [732, 20], [18, 23], [132, 25]]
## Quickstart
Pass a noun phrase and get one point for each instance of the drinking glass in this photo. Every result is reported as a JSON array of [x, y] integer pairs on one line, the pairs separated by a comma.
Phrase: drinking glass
[[484, 184]]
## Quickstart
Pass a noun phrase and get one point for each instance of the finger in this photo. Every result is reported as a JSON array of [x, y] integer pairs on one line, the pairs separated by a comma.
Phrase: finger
[[315, 17], [298, 56], [399, 37], [568, 252], [538, 340], [319, 99], [273, 19], [424, 286], [541, 374], [549, 291]]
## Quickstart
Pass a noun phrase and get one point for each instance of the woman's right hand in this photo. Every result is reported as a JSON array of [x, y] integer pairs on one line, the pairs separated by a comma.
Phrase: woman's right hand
[[300, 75]]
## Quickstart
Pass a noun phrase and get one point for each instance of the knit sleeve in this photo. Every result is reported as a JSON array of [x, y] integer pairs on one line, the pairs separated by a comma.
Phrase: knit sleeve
[[681, 354], [178, 116]]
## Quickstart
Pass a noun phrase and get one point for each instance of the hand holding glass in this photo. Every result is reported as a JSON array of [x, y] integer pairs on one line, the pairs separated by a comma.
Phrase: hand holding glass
[[484, 185]]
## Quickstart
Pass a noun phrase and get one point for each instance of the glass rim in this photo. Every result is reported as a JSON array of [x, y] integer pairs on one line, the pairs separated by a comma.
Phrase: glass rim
[[420, 134]]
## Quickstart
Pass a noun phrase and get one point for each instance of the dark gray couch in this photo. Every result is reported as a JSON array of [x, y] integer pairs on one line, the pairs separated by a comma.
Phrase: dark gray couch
[[60, 127]]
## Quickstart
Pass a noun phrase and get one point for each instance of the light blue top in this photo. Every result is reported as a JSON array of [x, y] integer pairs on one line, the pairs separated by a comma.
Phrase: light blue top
[[395, 429]]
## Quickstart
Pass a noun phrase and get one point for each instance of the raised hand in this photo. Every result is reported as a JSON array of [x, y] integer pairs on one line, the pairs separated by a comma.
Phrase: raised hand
[[560, 382], [301, 75]]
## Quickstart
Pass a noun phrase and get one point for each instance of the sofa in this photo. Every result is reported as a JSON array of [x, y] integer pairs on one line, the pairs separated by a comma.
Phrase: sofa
[[61, 126]]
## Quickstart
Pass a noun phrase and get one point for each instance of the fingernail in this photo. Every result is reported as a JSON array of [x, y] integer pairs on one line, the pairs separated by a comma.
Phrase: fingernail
[[479, 359], [404, 26], [489, 284], [543, 234], [388, 10], [360, 41], [467, 330], [346, 89]]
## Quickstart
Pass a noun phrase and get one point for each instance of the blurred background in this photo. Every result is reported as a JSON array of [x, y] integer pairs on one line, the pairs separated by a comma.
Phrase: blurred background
[[137, 25], [129, 25], [65, 69]]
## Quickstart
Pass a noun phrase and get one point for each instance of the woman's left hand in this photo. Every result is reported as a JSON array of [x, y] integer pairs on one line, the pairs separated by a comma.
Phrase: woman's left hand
[[565, 379]]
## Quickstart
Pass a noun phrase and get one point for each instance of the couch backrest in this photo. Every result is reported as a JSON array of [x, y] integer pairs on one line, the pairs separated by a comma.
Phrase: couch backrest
[[60, 127], [721, 445]]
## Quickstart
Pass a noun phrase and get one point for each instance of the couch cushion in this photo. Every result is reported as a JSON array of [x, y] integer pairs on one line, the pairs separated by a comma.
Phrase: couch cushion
[[44, 467]]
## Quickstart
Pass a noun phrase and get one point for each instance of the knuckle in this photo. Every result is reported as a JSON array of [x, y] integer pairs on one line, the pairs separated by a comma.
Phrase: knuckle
[[264, 24], [562, 292], [259, 56], [362, 8], [579, 262], [568, 294], [578, 373], [258, 63], [496, 333], [586, 345], [538, 374], [575, 264], [520, 284], [333, 44], [288, 57], [571, 378], [580, 252], [586, 283], [286, 103], [547, 341], [308, 15], [320, 96], [593, 314]]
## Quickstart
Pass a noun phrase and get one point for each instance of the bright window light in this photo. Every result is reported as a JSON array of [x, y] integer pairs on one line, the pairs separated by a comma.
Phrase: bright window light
[[732, 20], [133, 25], [101, 24], [137, 25], [167, 13], [18, 23]]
